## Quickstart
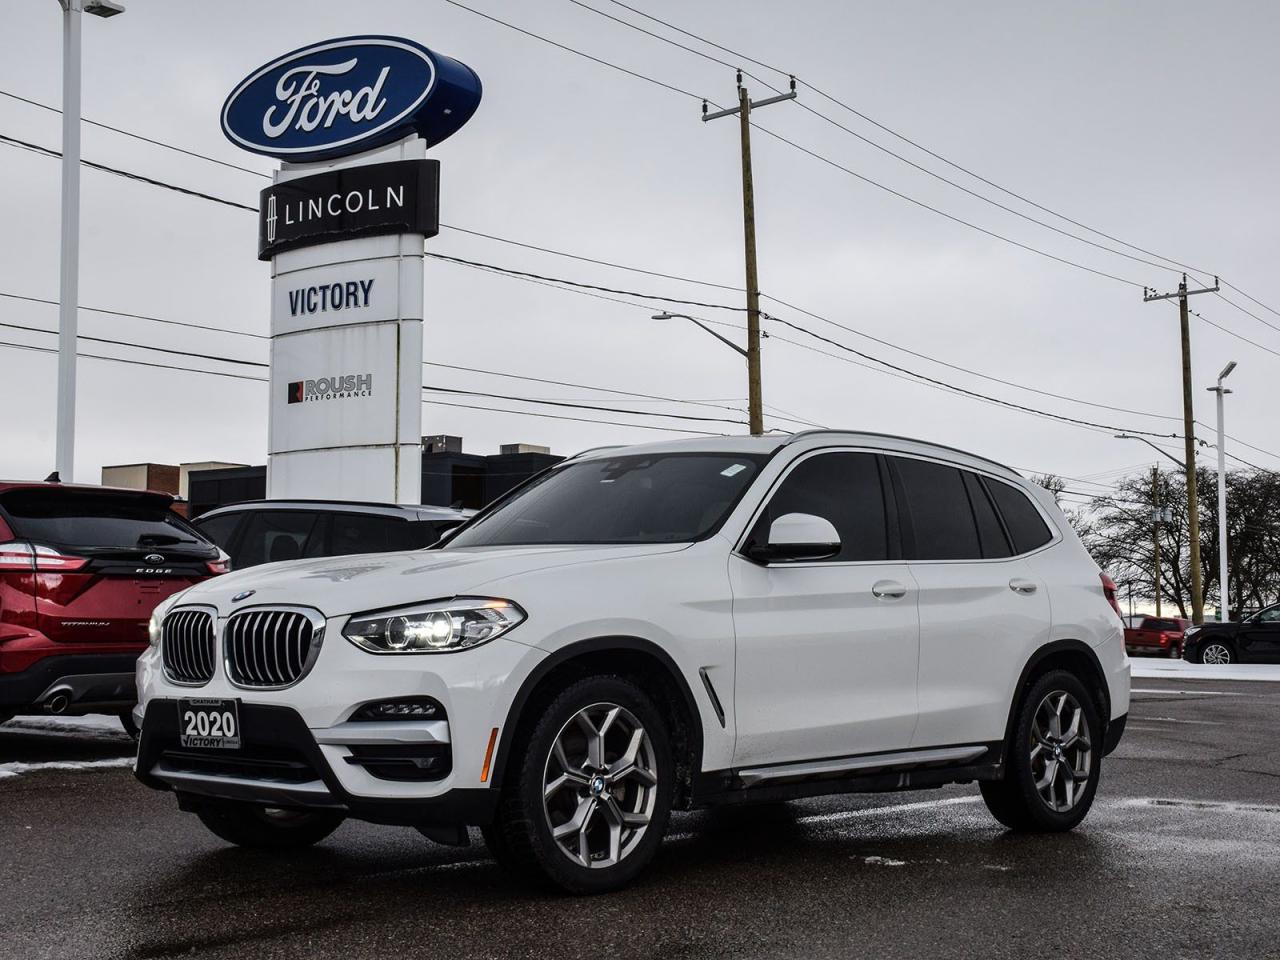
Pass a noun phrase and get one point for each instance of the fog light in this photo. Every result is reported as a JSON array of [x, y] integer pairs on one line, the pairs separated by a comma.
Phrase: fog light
[[415, 708]]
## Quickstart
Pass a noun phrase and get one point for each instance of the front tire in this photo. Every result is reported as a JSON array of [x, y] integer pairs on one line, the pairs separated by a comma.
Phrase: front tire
[[587, 799], [1217, 653], [269, 828], [1054, 758]]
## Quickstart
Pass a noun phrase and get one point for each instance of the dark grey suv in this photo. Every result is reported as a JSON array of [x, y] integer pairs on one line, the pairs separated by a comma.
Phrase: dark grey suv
[[268, 531]]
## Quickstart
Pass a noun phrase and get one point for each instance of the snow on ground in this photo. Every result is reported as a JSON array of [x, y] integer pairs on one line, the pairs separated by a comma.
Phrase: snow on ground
[[18, 769], [1149, 668], [98, 726]]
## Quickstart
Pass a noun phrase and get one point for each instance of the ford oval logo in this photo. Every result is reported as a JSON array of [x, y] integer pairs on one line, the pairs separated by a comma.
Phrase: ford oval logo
[[348, 95], [154, 558]]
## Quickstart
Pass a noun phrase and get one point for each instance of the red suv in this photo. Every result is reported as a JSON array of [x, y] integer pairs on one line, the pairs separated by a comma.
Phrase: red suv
[[81, 569], [1159, 635]]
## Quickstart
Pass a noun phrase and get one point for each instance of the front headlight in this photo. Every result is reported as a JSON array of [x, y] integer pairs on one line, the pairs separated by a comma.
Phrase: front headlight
[[439, 627], [1190, 632], [154, 628]]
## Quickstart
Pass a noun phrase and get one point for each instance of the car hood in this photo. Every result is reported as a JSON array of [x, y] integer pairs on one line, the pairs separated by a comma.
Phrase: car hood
[[337, 586]]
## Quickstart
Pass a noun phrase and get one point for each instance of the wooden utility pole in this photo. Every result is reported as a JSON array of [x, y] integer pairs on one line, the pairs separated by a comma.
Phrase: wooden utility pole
[[1156, 516], [1189, 438], [755, 400]]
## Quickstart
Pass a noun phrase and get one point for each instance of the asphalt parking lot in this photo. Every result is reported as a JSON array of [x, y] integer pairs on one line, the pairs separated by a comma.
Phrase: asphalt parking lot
[[1180, 857]]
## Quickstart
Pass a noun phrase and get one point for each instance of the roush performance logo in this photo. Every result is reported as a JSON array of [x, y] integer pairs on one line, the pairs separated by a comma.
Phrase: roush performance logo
[[340, 387]]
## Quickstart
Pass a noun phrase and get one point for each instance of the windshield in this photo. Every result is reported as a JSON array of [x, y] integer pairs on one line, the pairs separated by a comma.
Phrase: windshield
[[668, 498], [92, 519]]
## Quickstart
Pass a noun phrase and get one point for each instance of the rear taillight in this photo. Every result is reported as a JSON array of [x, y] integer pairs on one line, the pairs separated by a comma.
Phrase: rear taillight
[[29, 557], [221, 565], [1109, 591]]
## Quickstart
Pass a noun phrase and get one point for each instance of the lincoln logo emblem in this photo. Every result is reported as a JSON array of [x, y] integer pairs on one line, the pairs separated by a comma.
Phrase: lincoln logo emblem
[[271, 219]]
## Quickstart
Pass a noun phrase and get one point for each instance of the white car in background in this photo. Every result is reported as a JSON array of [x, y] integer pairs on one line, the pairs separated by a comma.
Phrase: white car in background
[[673, 625]]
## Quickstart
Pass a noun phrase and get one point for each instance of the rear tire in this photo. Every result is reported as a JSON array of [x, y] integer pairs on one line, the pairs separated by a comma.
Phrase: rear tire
[[267, 828], [1216, 653], [587, 797], [1054, 758]]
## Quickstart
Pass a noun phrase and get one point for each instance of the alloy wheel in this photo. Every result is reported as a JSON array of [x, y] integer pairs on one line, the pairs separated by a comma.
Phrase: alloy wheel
[[1061, 751], [600, 785], [1216, 653]]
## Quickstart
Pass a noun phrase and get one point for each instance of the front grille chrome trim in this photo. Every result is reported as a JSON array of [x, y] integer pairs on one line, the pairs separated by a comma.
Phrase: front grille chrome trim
[[262, 647], [187, 658]]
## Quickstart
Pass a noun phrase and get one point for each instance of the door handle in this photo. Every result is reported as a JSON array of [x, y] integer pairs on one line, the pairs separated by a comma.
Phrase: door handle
[[888, 590], [1018, 585]]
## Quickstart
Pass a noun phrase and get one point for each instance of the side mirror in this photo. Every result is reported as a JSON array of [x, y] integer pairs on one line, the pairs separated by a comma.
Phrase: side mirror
[[798, 536]]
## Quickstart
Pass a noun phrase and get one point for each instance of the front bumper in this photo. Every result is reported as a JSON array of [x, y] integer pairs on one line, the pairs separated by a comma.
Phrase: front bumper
[[283, 763], [92, 683]]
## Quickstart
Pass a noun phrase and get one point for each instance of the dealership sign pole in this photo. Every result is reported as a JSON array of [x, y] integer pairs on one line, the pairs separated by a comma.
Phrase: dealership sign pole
[[343, 226]]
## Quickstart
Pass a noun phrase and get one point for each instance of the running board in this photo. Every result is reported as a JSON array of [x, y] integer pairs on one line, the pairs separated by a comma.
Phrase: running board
[[858, 765]]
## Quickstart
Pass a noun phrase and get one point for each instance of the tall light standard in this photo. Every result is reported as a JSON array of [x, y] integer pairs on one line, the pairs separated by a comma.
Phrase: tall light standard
[[1159, 514], [1224, 608], [756, 415], [69, 279]]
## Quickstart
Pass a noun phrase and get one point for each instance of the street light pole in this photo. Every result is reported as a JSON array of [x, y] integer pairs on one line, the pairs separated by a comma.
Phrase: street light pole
[[694, 320], [69, 268], [1157, 511], [1224, 606], [69, 275]]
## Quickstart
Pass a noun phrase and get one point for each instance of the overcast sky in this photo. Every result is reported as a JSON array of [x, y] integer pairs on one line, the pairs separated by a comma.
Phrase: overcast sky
[[1151, 121]]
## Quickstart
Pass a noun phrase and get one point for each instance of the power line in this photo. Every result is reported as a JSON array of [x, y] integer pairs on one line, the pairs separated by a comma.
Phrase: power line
[[1247, 297], [141, 316], [585, 286], [602, 263], [878, 146], [579, 53], [138, 136], [937, 156], [920, 203], [805, 330], [36, 148], [554, 416], [579, 406]]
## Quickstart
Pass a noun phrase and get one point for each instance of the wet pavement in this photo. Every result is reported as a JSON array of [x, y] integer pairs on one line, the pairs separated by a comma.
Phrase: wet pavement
[[1180, 857]]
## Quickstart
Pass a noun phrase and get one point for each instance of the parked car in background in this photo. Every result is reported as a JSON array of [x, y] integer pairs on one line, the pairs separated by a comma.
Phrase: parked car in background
[[81, 569], [641, 629], [1161, 636], [1255, 639], [268, 531]]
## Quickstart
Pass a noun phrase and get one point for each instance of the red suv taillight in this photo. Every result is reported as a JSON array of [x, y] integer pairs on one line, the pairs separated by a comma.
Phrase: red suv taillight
[[1109, 591], [28, 557], [221, 565]]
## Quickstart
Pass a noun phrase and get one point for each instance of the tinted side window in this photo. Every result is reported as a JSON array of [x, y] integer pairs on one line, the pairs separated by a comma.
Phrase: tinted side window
[[1026, 526], [367, 533], [938, 509], [843, 488], [274, 535], [990, 533], [220, 528]]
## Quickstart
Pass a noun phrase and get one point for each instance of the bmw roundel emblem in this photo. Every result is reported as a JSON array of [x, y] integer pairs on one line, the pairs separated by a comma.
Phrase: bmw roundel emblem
[[243, 595]]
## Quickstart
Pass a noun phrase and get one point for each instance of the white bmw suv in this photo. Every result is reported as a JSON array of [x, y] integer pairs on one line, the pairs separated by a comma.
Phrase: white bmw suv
[[642, 629]]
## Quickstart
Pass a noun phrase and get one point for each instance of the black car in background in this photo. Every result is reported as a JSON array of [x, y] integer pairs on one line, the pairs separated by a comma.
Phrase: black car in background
[[1255, 639], [269, 531]]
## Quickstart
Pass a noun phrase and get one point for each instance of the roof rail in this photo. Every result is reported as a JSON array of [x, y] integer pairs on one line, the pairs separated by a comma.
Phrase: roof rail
[[805, 434], [583, 453]]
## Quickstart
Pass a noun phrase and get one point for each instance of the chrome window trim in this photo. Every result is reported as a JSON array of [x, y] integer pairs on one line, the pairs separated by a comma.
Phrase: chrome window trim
[[214, 628], [318, 624]]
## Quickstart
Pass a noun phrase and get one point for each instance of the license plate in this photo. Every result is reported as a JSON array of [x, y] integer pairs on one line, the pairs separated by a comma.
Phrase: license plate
[[209, 724]]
